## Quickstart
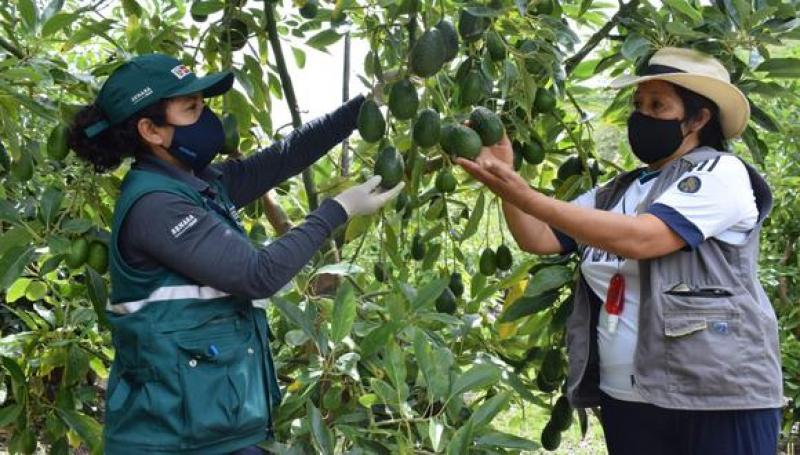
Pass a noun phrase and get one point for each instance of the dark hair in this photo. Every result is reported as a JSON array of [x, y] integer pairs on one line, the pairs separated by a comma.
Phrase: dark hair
[[107, 150], [693, 104]]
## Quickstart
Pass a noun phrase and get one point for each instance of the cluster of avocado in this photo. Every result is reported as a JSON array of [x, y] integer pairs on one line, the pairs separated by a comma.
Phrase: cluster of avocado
[[93, 253], [491, 261]]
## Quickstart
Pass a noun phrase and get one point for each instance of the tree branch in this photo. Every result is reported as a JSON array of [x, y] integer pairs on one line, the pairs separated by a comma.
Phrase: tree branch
[[345, 97], [572, 62], [11, 48], [288, 91]]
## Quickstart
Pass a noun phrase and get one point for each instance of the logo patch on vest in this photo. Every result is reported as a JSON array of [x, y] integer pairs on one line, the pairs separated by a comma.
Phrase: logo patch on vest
[[690, 184], [183, 226]]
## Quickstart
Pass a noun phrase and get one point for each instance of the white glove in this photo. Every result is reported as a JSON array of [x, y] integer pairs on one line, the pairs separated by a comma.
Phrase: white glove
[[367, 198]]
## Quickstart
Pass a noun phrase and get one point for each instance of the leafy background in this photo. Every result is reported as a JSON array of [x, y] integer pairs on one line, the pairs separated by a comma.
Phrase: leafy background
[[367, 366]]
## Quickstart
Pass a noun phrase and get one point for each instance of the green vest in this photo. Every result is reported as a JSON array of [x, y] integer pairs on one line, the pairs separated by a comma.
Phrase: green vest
[[193, 372]]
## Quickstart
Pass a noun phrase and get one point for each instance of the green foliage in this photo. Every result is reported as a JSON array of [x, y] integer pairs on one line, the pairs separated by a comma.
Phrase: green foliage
[[379, 364]]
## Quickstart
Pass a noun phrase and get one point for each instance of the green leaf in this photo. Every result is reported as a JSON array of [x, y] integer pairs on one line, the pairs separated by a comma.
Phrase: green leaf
[[13, 263], [495, 439], [90, 432], [35, 291], [548, 279], [323, 39], [18, 382], [758, 148], [526, 306], [686, 9], [292, 313], [57, 23], [76, 225], [98, 295], [46, 112], [344, 312], [319, 431], [206, 7], [474, 218], [781, 67], [461, 440], [299, 57], [28, 12], [51, 204], [17, 290], [429, 293], [483, 11], [435, 432], [8, 212], [357, 227], [479, 376], [51, 9], [763, 119], [9, 414], [377, 339], [635, 47], [76, 366], [489, 409]]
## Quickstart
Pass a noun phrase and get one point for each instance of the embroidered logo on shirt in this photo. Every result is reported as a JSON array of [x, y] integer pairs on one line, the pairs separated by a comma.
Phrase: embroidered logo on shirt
[[690, 184], [183, 226]]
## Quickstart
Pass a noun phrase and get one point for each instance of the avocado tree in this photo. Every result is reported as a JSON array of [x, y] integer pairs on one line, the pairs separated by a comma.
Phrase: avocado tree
[[435, 323]]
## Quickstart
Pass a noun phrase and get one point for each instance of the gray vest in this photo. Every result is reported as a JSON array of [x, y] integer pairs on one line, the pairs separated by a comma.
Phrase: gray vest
[[708, 335]]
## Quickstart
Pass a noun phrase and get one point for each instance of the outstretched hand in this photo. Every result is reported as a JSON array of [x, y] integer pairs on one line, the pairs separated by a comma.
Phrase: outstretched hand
[[500, 178]]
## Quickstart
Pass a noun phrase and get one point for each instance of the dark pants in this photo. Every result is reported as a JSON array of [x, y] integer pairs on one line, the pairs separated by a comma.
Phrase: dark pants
[[639, 428]]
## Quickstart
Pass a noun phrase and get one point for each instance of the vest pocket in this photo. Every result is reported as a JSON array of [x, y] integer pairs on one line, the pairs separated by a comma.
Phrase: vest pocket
[[702, 345], [221, 380]]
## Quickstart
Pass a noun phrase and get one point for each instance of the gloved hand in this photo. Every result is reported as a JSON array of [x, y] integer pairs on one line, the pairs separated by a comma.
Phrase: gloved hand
[[367, 198]]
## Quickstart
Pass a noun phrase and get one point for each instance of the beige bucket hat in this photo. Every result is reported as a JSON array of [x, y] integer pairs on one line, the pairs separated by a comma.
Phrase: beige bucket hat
[[701, 74]]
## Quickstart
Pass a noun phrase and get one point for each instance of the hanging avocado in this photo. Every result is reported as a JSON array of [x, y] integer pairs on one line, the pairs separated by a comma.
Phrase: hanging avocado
[[503, 258], [417, 248], [231, 127], [449, 38], [487, 264], [235, 34], [456, 284], [428, 54], [544, 102], [371, 125], [310, 9], [389, 165], [461, 141], [487, 124], [471, 27], [495, 46], [57, 147], [446, 182], [427, 128], [446, 302], [403, 100]]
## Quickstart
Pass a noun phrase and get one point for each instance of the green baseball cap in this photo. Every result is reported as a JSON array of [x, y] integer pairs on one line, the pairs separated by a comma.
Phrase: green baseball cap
[[143, 80]]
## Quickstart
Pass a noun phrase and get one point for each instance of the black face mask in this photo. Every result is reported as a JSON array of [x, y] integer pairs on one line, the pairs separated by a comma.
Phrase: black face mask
[[653, 139], [197, 144]]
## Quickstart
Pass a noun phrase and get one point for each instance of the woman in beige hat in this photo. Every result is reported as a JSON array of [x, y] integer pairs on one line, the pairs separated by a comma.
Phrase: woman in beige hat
[[672, 334]]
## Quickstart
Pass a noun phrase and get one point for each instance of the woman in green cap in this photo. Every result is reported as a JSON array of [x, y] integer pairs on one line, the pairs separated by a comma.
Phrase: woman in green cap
[[192, 371]]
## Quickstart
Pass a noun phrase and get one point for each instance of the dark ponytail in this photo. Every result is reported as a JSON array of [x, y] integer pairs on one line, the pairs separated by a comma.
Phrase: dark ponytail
[[693, 104], [107, 150]]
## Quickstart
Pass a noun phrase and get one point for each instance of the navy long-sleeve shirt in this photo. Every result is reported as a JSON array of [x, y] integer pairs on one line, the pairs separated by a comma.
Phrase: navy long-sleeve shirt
[[209, 251]]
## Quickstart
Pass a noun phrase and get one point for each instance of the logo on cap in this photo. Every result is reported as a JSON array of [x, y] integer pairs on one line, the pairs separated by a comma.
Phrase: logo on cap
[[181, 71], [141, 94]]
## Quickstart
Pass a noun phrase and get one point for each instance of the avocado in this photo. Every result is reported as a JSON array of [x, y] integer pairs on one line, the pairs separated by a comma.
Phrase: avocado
[[551, 437], [310, 9], [471, 27], [236, 34], [401, 202], [231, 127], [389, 165], [544, 385], [78, 253], [427, 128], [544, 102], [371, 125], [471, 88], [57, 147], [487, 124], [495, 46], [571, 166], [22, 169], [561, 415], [504, 258], [532, 151], [98, 257], [487, 264], [379, 271], [446, 182], [449, 39], [456, 284], [461, 141], [428, 54], [446, 302], [552, 365], [417, 248], [544, 7], [403, 100]]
